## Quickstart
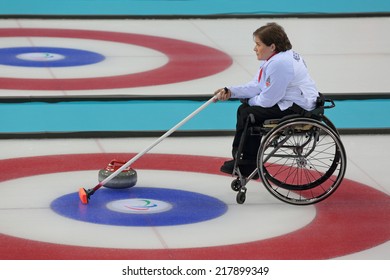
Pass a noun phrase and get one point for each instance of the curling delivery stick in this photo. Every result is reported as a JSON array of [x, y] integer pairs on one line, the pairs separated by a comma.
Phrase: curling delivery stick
[[85, 195]]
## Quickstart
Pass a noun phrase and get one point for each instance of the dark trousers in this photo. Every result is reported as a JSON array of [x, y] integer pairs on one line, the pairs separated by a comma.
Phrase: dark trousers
[[261, 114]]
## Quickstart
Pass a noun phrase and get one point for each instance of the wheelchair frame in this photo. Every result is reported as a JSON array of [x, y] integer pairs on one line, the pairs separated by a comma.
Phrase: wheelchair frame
[[301, 159]]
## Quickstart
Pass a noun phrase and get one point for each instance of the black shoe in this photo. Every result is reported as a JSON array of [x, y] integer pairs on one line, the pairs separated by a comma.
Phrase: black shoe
[[228, 167], [246, 167]]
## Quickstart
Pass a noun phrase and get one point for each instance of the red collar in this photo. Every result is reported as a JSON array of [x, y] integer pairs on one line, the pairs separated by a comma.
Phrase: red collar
[[272, 56], [261, 69]]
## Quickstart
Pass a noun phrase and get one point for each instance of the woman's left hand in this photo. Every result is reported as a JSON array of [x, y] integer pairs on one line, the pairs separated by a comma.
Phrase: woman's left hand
[[222, 94]]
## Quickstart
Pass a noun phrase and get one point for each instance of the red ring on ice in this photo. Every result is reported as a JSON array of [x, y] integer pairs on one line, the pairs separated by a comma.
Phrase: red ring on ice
[[187, 61], [355, 218]]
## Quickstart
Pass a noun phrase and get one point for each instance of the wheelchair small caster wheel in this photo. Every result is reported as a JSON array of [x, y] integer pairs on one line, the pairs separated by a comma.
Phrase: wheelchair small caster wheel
[[236, 185], [241, 196]]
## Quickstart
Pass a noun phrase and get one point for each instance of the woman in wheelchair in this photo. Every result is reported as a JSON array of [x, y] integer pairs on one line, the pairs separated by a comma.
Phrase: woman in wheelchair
[[281, 83]]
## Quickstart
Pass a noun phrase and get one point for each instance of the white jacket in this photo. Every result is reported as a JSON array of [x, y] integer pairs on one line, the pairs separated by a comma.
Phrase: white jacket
[[284, 81]]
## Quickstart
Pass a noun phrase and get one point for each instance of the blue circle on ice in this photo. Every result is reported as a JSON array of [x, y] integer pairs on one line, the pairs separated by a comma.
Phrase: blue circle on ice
[[141, 206], [47, 57]]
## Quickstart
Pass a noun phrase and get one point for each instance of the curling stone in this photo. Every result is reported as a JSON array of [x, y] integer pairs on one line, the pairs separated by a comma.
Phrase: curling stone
[[126, 179]]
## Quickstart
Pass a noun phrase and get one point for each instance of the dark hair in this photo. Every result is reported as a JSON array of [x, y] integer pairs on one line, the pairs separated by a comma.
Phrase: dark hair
[[273, 33]]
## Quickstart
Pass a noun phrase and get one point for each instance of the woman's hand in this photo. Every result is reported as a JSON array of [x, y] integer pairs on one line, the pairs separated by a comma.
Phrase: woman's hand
[[222, 94]]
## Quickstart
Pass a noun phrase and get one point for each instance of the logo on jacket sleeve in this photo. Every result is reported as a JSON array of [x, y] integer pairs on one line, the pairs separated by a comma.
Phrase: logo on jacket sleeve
[[268, 82]]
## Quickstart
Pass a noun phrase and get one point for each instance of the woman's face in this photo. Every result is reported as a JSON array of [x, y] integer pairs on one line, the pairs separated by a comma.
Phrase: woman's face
[[263, 52]]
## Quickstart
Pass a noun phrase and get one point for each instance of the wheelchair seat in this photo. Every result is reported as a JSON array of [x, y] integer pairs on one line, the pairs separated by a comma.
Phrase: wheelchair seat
[[317, 114]]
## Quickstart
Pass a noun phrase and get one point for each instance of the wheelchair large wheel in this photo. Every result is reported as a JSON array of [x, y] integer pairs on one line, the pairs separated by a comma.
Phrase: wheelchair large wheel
[[301, 161]]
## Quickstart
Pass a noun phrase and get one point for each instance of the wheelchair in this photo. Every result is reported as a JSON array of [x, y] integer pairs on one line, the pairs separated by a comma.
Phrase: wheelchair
[[301, 159]]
